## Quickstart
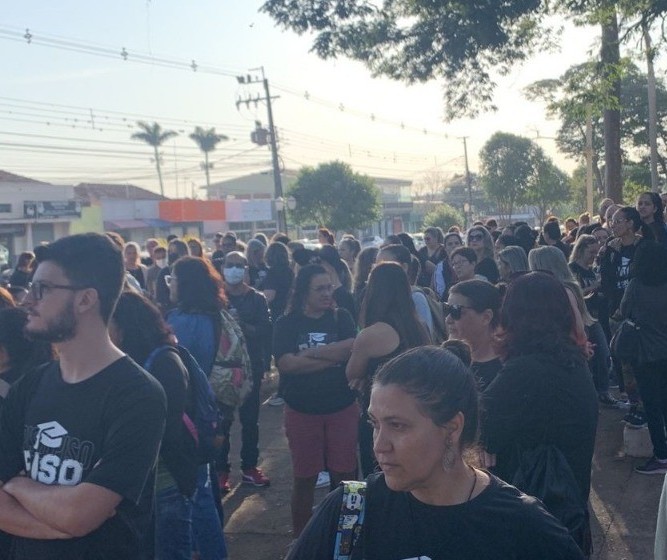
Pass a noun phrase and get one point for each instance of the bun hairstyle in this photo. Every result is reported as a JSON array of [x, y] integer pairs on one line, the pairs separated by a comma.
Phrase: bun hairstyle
[[440, 382]]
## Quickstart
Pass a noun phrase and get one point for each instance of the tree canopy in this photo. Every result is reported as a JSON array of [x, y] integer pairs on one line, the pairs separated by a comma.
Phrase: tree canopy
[[333, 195], [207, 140], [154, 135], [462, 43], [516, 171], [443, 216]]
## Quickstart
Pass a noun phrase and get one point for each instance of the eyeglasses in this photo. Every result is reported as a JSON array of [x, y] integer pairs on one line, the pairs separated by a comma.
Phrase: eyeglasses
[[618, 221], [454, 310], [323, 289], [37, 289], [168, 279], [235, 265], [476, 237]]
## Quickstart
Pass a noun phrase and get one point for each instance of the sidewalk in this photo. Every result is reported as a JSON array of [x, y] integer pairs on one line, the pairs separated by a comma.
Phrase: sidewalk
[[624, 503]]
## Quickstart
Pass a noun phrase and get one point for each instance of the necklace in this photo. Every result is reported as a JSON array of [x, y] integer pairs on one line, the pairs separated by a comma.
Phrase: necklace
[[474, 483]]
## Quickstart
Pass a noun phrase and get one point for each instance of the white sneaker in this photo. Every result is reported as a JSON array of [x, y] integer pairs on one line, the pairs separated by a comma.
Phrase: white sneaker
[[275, 400], [323, 480]]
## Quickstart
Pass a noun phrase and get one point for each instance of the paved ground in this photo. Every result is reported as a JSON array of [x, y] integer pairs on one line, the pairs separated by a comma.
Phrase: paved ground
[[624, 503]]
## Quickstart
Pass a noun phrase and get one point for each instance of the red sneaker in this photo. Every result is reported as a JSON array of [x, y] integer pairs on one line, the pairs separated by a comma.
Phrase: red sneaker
[[223, 482], [255, 477]]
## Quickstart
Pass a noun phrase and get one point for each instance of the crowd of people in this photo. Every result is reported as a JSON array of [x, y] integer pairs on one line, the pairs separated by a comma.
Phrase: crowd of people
[[461, 382]]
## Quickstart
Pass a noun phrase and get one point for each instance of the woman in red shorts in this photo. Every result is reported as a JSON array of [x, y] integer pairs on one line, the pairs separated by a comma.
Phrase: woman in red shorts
[[312, 342]]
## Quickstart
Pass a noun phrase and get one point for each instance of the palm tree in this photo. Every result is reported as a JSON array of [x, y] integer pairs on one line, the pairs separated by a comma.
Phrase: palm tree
[[207, 140], [154, 136]]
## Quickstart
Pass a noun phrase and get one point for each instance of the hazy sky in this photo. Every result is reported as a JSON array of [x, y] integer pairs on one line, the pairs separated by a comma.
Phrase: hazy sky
[[66, 116]]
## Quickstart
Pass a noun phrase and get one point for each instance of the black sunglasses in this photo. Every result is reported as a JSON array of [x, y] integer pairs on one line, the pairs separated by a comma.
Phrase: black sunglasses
[[455, 310], [476, 237]]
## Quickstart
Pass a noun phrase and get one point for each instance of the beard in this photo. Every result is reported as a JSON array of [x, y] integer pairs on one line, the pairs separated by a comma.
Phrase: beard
[[60, 329]]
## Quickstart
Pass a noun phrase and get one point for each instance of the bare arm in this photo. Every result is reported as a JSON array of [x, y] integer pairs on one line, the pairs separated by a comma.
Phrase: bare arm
[[372, 342], [270, 295], [73, 510], [17, 521]]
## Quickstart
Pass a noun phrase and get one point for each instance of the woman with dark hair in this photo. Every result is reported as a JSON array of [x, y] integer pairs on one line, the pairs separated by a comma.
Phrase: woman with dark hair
[[262, 237], [479, 240], [430, 254], [525, 237], [200, 323], [279, 278], [390, 326], [325, 237], [473, 310], [362, 269], [544, 394], [138, 329], [196, 247], [650, 208], [349, 248], [429, 501], [452, 240], [23, 271], [645, 303], [311, 344], [257, 269]]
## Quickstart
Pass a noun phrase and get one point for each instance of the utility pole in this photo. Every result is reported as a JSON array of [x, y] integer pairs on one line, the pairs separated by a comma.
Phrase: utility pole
[[468, 183], [272, 138], [589, 160]]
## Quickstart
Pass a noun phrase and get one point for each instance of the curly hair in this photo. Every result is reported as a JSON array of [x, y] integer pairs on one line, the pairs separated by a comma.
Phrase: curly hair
[[199, 287]]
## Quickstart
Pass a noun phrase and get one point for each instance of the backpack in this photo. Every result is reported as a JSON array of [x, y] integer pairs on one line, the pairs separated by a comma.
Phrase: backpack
[[439, 334], [202, 423], [231, 375], [351, 520]]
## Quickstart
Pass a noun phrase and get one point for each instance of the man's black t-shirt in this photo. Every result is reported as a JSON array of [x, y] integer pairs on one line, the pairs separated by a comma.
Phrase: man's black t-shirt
[[106, 431], [255, 321], [320, 392], [279, 279], [501, 523]]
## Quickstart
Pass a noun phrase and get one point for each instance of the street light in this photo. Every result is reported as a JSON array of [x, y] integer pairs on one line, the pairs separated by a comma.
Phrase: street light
[[282, 203]]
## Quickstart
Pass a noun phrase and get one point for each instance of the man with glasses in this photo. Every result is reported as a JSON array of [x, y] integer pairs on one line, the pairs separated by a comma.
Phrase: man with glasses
[[249, 308], [80, 436]]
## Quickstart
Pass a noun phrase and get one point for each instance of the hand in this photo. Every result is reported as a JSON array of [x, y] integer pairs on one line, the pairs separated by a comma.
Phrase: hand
[[357, 384]]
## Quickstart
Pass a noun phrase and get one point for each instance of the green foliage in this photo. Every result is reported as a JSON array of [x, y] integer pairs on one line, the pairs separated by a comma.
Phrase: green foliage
[[418, 40], [516, 171], [334, 196], [443, 216], [507, 168], [152, 134]]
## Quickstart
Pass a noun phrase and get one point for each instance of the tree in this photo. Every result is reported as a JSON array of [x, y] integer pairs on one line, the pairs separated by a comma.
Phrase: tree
[[334, 196], [154, 136], [443, 216], [507, 168], [462, 43], [207, 140], [549, 186]]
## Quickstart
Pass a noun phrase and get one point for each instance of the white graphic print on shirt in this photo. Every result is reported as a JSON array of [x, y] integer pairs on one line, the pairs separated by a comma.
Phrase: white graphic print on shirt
[[52, 456]]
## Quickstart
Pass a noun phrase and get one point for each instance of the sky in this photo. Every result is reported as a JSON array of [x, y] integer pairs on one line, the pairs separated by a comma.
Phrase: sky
[[66, 115]]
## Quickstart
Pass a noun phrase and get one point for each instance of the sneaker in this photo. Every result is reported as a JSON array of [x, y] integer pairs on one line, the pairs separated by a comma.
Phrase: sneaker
[[653, 466], [635, 420], [610, 402], [275, 400], [223, 482], [255, 477], [323, 480]]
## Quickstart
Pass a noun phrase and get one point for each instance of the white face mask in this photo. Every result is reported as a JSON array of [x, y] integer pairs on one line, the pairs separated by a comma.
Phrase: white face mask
[[161, 263], [233, 275]]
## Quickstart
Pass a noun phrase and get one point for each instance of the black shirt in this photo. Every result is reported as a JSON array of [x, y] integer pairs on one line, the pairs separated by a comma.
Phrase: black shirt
[[279, 279], [20, 278], [489, 269], [321, 392], [540, 399], [106, 431], [500, 523], [255, 321], [257, 276], [485, 372], [344, 299]]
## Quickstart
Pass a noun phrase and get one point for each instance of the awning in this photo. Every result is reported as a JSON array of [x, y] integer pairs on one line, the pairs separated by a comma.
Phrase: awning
[[125, 224], [157, 223]]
